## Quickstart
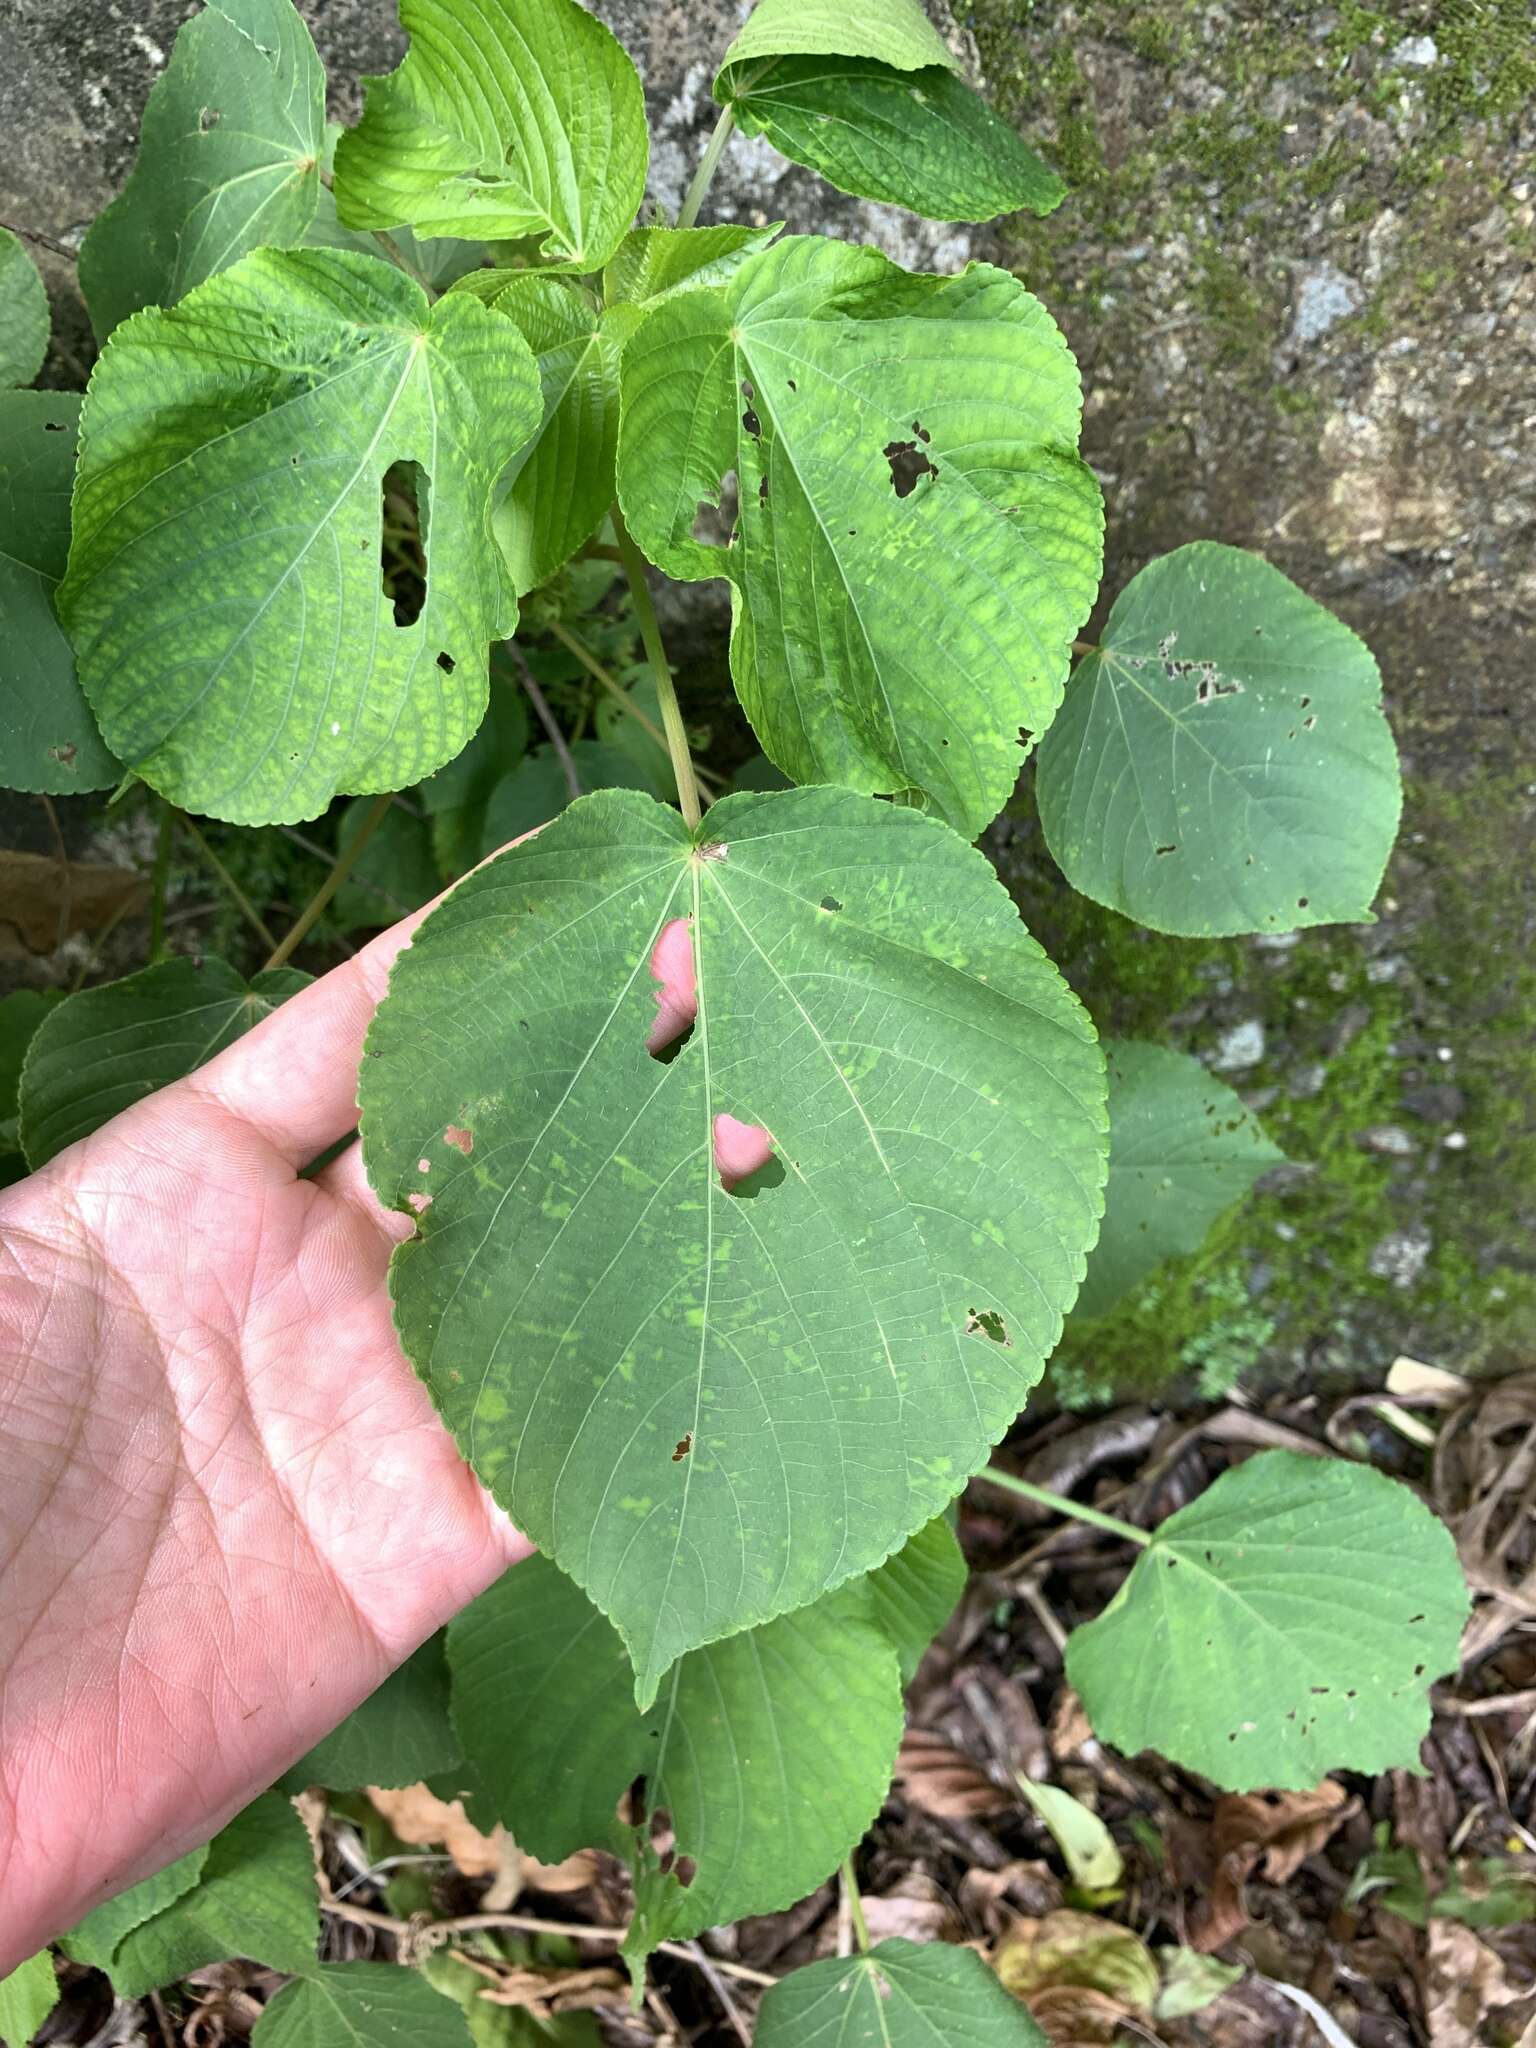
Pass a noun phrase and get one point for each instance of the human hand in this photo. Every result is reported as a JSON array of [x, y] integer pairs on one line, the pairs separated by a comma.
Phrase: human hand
[[227, 1508]]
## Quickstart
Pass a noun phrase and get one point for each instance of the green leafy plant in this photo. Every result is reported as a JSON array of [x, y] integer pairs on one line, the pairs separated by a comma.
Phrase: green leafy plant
[[360, 398]]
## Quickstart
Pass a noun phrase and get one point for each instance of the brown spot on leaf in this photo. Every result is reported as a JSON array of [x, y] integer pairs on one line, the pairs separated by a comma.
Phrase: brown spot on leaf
[[684, 1446]]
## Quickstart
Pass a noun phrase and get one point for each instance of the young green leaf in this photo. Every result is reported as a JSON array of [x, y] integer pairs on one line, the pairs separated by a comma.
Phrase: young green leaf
[[895, 32], [395, 873], [27, 1996], [917, 540], [229, 160], [1287, 1623], [900, 1995], [224, 592], [254, 1898], [768, 1753], [1087, 1847], [1182, 1149], [1222, 762], [652, 264], [435, 260], [836, 1352], [868, 96], [24, 317], [915, 1592], [48, 738], [398, 1736], [106, 1048], [558, 488], [549, 142], [361, 2005]]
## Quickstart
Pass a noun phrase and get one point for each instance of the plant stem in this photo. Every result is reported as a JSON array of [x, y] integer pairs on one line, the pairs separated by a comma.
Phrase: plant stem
[[616, 689], [855, 1906], [709, 163], [656, 655], [547, 719], [237, 895], [160, 882], [341, 867], [1046, 1499]]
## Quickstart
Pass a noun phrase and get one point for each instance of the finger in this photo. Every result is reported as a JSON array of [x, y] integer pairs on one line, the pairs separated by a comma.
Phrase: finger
[[294, 1078], [344, 1180]]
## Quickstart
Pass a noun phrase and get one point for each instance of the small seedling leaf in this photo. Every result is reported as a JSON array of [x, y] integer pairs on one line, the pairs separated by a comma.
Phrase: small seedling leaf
[[1287, 1623]]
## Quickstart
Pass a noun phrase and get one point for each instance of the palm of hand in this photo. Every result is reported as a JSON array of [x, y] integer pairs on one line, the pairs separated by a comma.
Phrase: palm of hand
[[236, 1509]]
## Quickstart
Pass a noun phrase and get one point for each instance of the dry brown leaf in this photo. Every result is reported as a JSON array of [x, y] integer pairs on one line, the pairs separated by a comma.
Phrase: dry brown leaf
[[938, 1780], [1285, 1828], [46, 899], [916, 1910], [1069, 1731], [578, 1873], [994, 1899], [417, 1815], [545, 1993], [1464, 1982], [1278, 1829], [1071, 2017]]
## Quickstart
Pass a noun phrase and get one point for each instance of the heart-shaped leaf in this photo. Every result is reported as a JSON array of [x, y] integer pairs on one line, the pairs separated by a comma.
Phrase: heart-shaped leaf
[[900, 1995], [1221, 762], [768, 1754], [507, 119], [106, 1048], [24, 317], [837, 1351], [48, 738], [362, 2005], [1287, 1623], [224, 592], [1182, 1148], [229, 159], [917, 541]]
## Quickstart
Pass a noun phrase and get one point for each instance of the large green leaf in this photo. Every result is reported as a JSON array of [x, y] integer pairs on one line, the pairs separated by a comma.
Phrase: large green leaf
[[1285, 1624], [24, 317], [48, 738], [224, 590], [398, 1736], [559, 487], [897, 32], [1182, 1148], [770, 1753], [900, 1995], [361, 2005], [1222, 763], [229, 159], [254, 1898], [106, 1048], [437, 260], [27, 1996], [919, 139], [507, 119], [583, 1296], [917, 540]]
